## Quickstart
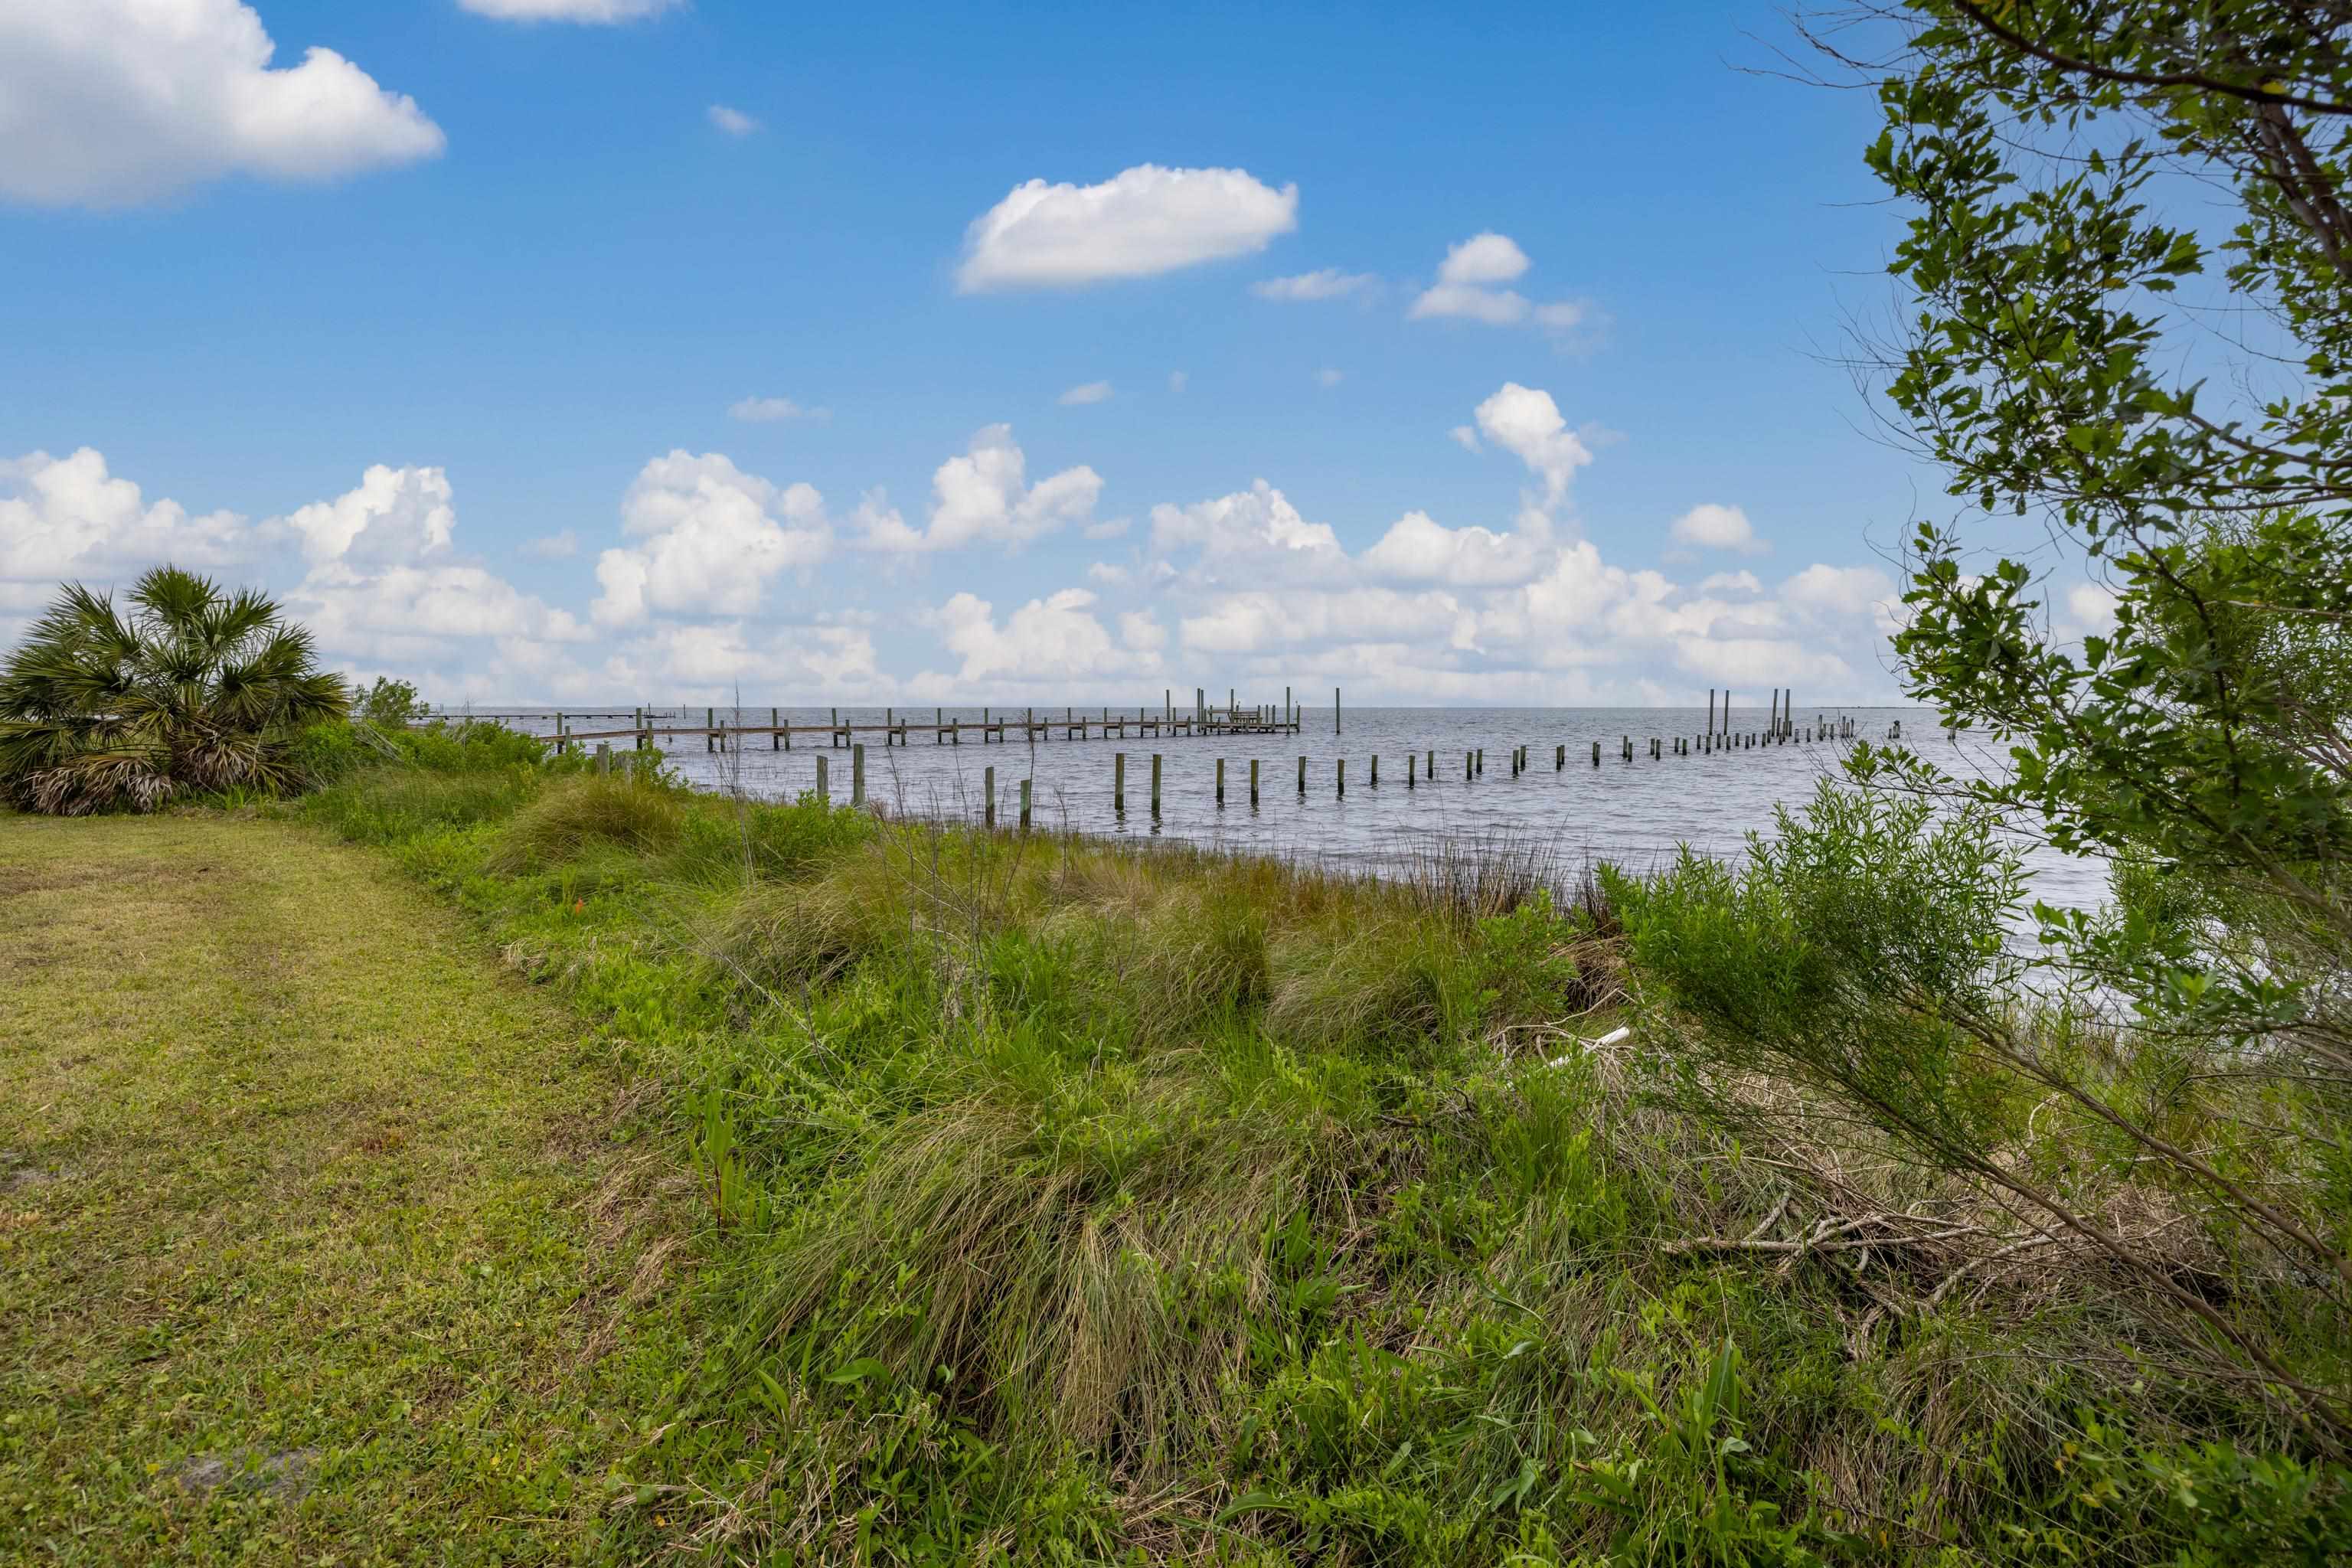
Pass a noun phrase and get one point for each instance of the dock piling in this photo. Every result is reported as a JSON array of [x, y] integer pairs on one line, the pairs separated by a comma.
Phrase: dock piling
[[857, 775], [988, 796], [1118, 783], [824, 789], [1025, 806]]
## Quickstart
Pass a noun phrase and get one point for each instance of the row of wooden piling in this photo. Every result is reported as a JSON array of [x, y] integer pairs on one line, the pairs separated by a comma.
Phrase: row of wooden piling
[[1419, 765]]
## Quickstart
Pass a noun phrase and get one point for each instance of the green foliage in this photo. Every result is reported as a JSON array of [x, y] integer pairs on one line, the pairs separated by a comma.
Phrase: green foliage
[[625, 810], [390, 705], [1069, 1195], [2059, 365], [196, 689], [2198, 734], [470, 745]]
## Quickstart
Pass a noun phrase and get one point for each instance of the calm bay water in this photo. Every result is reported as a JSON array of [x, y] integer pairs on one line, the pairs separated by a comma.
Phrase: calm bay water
[[1634, 814]]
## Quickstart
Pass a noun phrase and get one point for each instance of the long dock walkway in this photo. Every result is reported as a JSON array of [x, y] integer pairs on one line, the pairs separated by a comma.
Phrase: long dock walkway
[[895, 730]]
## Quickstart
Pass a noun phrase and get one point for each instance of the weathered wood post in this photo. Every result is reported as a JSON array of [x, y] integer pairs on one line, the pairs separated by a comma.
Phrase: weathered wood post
[[1482, 762], [1469, 766], [988, 795], [889, 726], [1376, 770], [1025, 806], [1155, 783], [1559, 757], [1220, 781], [1302, 778], [645, 732], [603, 756], [1596, 753], [1410, 760], [1343, 776], [1335, 710], [1253, 783], [857, 774], [1118, 783], [834, 738], [823, 788], [709, 722], [1430, 765]]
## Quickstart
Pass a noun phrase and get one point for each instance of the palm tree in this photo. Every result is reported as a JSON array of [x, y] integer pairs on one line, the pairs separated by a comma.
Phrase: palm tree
[[198, 688]]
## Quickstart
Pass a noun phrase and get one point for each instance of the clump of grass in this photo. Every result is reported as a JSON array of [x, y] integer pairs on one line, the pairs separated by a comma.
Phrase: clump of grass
[[393, 804], [779, 936], [624, 810], [1089, 1257], [1389, 980], [1475, 877]]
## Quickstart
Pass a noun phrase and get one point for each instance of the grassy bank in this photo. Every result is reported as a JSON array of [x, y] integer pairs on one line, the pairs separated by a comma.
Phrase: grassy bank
[[313, 1223], [1060, 1201]]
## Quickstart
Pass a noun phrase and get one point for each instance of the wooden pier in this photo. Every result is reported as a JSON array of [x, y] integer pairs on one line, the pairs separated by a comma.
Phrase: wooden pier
[[899, 729], [1203, 721]]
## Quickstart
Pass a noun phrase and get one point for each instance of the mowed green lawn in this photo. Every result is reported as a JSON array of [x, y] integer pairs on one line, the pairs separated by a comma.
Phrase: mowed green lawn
[[320, 1240]]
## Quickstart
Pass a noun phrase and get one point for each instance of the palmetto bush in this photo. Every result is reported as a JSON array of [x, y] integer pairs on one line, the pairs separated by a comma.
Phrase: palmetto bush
[[188, 688]]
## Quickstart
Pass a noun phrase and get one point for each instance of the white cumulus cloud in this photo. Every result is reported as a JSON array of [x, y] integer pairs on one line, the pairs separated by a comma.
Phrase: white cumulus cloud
[[1416, 548], [1144, 221], [1712, 526], [1526, 421], [712, 536], [1057, 637], [984, 497], [1470, 285], [733, 121], [108, 102], [1251, 531], [397, 514], [70, 518]]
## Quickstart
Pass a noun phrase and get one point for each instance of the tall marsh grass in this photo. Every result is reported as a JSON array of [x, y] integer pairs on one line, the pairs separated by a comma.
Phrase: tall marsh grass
[[1098, 1203]]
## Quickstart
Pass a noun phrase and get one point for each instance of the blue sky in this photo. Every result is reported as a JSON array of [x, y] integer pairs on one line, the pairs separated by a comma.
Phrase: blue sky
[[518, 267]]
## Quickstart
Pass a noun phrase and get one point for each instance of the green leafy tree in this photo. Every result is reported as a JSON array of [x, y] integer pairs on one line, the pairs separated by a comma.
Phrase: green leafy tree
[[188, 688], [2129, 324], [391, 704]]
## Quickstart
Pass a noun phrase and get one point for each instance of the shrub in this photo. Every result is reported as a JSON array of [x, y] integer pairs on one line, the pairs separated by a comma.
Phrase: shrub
[[196, 691], [624, 810]]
